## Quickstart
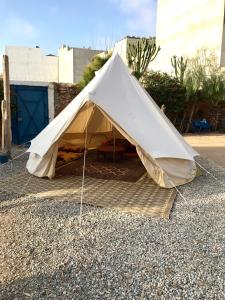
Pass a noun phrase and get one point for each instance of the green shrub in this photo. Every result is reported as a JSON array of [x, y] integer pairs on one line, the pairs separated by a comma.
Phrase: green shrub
[[89, 72], [213, 90], [167, 90], [203, 80]]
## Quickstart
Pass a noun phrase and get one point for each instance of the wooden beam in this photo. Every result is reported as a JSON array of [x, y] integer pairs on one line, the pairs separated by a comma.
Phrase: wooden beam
[[6, 109], [3, 108]]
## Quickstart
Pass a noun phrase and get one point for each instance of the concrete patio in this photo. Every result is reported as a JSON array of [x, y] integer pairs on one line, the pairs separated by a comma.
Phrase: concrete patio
[[211, 146]]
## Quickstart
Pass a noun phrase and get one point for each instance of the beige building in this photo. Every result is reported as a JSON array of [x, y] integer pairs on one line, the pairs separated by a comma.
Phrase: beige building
[[184, 27], [72, 62], [30, 71], [32, 65]]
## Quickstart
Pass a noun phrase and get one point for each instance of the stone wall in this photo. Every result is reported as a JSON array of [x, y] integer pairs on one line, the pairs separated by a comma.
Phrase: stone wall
[[64, 94]]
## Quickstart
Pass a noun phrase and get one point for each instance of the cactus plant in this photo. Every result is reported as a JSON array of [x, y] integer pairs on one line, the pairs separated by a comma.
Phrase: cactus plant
[[140, 55], [180, 66]]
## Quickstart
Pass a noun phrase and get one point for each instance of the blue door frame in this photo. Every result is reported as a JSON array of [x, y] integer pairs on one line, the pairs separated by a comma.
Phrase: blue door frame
[[29, 112]]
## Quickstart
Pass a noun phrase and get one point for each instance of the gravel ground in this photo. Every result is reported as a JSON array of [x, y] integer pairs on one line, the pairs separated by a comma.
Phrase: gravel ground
[[45, 254], [11, 168]]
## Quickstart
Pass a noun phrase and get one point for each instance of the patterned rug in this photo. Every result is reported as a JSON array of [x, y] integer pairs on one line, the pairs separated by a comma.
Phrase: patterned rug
[[130, 170], [142, 197]]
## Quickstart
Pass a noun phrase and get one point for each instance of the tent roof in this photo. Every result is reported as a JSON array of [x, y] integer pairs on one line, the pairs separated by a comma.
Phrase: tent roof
[[117, 93]]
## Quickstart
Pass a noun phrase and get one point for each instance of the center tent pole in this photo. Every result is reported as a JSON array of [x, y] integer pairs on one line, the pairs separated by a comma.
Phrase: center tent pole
[[114, 145]]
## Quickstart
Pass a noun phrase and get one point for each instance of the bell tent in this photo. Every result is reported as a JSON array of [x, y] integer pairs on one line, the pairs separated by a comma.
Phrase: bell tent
[[114, 101]]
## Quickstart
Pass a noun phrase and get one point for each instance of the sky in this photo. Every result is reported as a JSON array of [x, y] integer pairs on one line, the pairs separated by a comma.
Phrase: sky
[[78, 23]]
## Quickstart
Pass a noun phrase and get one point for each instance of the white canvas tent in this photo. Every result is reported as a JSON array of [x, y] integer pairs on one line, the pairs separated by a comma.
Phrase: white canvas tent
[[114, 101]]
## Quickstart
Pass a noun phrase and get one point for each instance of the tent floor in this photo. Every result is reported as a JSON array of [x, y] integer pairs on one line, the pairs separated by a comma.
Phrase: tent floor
[[142, 197], [129, 169]]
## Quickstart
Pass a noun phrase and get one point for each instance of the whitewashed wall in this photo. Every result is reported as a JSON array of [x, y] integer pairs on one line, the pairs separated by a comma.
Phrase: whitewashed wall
[[82, 57], [72, 62], [30, 64], [65, 55], [183, 27]]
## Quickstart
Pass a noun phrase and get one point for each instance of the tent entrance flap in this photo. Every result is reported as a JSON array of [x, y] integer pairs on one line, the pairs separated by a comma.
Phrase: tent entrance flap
[[90, 116], [99, 128]]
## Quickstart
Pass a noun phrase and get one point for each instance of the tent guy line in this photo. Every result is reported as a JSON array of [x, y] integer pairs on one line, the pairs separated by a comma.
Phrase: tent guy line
[[17, 151], [12, 159], [178, 191], [83, 173], [209, 173]]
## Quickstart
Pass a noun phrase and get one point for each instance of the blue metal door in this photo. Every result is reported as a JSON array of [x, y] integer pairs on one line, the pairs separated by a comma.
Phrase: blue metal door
[[29, 112]]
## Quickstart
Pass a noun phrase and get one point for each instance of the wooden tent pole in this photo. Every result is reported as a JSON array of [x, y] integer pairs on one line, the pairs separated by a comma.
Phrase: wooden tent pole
[[3, 108], [6, 109], [114, 145]]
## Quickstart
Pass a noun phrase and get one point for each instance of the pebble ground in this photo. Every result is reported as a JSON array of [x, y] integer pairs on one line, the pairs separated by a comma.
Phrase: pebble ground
[[46, 254]]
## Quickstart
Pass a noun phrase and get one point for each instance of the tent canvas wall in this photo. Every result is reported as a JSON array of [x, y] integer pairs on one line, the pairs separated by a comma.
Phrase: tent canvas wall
[[115, 101]]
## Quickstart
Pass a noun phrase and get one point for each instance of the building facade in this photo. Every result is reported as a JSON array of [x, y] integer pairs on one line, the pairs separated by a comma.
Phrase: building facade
[[31, 65], [185, 27], [33, 77], [72, 62], [31, 74]]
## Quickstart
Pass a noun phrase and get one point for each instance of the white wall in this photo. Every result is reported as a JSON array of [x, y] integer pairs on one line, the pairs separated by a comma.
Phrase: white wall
[[72, 62], [65, 55], [82, 57], [183, 27], [30, 64]]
